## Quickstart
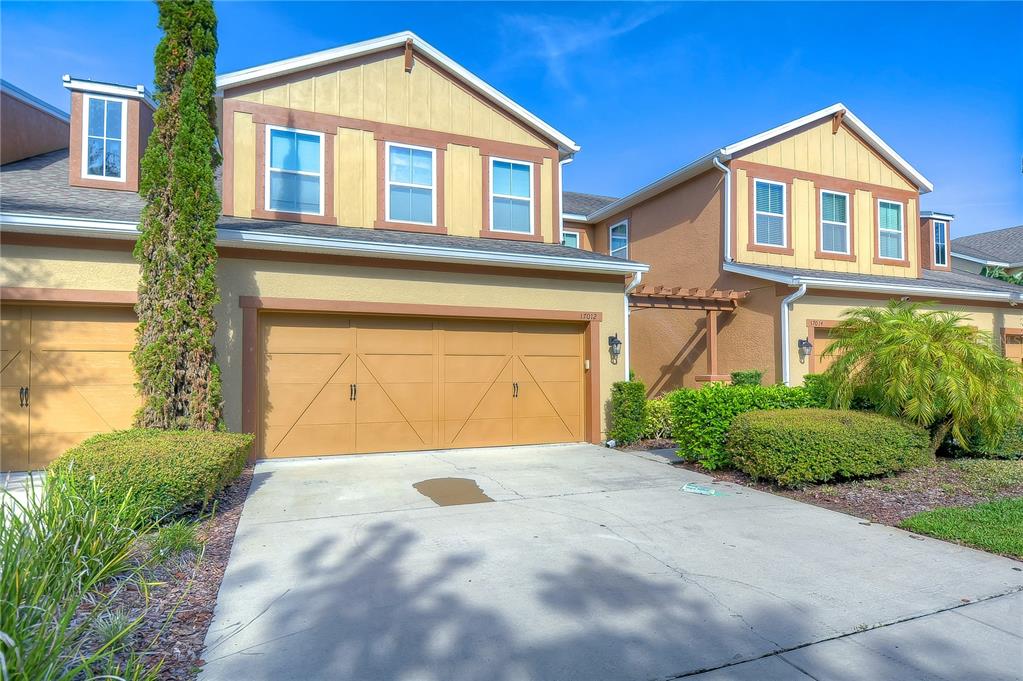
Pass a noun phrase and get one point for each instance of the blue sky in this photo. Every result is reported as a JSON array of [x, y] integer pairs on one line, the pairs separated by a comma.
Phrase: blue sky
[[644, 88]]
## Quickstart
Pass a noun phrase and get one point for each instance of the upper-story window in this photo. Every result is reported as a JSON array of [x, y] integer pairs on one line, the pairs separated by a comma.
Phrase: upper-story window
[[294, 172], [511, 196], [770, 213], [570, 239], [940, 243], [889, 230], [105, 132], [411, 178], [620, 239], [834, 222]]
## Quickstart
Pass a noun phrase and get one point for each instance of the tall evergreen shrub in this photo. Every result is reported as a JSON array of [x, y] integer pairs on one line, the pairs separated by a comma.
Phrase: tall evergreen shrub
[[179, 380]]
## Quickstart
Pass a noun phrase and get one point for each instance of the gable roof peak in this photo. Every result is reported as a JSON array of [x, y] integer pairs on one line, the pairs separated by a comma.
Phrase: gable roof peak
[[386, 42]]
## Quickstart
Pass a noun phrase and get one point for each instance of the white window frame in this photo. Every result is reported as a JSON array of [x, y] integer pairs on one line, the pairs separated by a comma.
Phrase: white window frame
[[900, 232], [848, 227], [432, 187], [610, 236], [784, 214], [944, 242], [85, 137], [267, 168], [493, 195], [566, 234]]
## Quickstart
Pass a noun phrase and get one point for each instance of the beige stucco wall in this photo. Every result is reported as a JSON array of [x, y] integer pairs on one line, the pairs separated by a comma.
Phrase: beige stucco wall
[[991, 319], [49, 267]]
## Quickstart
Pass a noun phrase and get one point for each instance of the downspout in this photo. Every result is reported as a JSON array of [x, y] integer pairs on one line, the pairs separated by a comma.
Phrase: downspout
[[728, 207], [786, 303], [628, 344], [561, 196]]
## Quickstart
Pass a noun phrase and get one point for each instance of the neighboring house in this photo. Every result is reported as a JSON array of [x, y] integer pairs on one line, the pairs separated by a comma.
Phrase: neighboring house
[[997, 248], [391, 268], [31, 126], [757, 248]]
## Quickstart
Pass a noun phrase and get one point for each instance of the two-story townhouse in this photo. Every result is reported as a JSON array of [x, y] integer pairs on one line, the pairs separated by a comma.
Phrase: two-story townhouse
[[1001, 248], [391, 268], [757, 248]]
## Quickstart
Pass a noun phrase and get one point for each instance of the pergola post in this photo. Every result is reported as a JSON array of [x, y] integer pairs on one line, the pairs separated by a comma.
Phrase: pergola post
[[712, 342]]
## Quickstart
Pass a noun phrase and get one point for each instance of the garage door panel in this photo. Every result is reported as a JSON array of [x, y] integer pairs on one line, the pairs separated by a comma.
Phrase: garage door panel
[[542, 429], [478, 400], [398, 337], [286, 368], [310, 440], [82, 368], [297, 334], [1014, 347], [549, 399], [547, 339], [405, 368], [472, 337], [479, 432], [293, 403], [549, 369], [395, 402], [473, 368], [83, 329], [46, 447], [395, 436]]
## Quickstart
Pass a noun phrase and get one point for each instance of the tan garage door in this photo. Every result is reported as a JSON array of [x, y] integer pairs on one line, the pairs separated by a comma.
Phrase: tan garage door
[[1014, 346], [339, 385], [66, 375]]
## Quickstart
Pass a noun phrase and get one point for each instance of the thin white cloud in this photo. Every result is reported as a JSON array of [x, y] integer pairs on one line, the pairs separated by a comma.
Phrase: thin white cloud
[[554, 40]]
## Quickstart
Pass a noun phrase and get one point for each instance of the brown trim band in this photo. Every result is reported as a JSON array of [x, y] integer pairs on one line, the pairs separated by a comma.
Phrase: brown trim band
[[838, 183], [412, 309], [19, 294]]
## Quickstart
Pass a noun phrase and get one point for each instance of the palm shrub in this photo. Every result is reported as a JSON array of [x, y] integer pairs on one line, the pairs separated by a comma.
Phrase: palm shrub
[[179, 380], [930, 367]]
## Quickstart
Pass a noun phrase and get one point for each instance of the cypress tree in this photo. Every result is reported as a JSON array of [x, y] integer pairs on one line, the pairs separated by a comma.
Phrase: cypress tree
[[179, 380]]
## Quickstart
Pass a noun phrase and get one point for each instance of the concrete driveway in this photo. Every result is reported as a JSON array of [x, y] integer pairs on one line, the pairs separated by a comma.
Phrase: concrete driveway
[[590, 564]]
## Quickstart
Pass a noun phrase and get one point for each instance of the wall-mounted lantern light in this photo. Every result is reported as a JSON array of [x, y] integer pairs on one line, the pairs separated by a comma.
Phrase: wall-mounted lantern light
[[805, 348], [614, 346]]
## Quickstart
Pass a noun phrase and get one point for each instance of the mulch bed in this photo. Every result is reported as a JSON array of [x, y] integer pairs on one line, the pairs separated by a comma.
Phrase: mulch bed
[[179, 608], [888, 500]]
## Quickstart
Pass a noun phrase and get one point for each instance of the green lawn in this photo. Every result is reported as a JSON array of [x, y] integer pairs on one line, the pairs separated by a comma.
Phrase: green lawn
[[994, 526]]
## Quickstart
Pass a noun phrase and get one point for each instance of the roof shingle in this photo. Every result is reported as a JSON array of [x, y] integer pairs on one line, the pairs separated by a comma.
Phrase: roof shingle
[[999, 245], [577, 203]]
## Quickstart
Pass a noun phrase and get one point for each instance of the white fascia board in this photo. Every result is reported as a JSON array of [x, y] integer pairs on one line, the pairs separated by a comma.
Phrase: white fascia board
[[284, 242], [982, 261], [33, 101], [871, 287], [936, 215], [295, 64], [850, 119], [673, 178], [574, 217], [113, 89]]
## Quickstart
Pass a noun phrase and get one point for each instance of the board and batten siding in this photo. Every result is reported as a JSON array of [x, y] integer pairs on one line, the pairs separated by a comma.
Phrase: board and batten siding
[[812, 158]]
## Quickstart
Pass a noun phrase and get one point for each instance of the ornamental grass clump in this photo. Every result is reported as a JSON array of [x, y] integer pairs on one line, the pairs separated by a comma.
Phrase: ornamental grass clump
[[930, 367]]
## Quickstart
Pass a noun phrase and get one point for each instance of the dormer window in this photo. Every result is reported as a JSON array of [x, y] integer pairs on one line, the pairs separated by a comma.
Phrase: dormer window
[[940, 243], [294, 173], [105, 132]]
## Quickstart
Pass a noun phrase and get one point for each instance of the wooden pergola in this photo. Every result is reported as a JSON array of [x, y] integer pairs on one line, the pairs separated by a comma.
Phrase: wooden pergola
[[710, 300]]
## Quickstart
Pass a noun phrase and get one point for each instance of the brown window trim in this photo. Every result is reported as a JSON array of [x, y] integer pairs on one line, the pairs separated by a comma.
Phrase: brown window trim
[[927, 245], [381, 222], [327, 178], [486, 232], [251, 306], [780, 176], [878, 197], [129, 146], [820, 253]]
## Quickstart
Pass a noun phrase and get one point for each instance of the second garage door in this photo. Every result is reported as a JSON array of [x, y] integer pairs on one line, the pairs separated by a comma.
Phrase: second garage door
[[340, 385]]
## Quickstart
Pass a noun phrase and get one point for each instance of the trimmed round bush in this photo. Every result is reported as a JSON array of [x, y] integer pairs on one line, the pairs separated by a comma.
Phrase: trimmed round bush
[[169, 471], [628, 412], [796, 447], [657, 420]]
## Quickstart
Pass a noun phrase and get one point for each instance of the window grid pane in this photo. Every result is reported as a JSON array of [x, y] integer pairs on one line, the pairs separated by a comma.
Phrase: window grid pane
[[940, 247], [620, 240], [410, 184], [294, 172], [570, 239], [770, 213], [103, 138], [511, 197], [889, 218]]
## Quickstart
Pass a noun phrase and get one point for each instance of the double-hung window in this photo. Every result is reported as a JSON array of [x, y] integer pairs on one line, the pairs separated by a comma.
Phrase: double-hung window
[[769, 213], [411, 179], [294, 171], [834, 222], [940, 243], [889, 230], [105, 131], [511, 196], [620, 239], [570, 239]]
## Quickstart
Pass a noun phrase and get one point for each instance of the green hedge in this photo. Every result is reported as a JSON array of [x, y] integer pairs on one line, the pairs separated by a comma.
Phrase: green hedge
[[1009, 447], [748, 377], [657, 419], [628, 412], [801, 446], [171, 471], [701, 417]]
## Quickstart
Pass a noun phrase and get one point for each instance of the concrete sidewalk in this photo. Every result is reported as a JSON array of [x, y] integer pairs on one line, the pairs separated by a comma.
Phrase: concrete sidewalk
[[590, 564]]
